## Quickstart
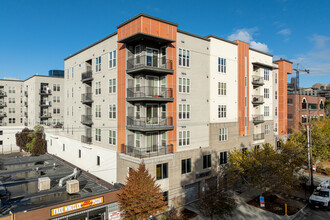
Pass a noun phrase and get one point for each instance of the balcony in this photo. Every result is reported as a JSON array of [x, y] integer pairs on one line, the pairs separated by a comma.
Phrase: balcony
[[86, 139], [3, 123], [45, 115], [3, 114], [149, 64], [257, 119], [26, 114], [150, 94], [87, 76], [257, 100], [259, 136], [147, 152], [86, 98], [3, 104], [3, 94], [150, 124], [86, 120], [26, 93], [26, 104], [45, 104], [257, 81], [45, 92]]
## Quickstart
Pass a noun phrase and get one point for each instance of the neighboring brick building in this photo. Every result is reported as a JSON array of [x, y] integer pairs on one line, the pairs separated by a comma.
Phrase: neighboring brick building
[[301, 107]]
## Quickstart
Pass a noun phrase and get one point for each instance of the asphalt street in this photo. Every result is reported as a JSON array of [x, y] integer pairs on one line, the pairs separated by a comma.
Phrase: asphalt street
[[314, 214]]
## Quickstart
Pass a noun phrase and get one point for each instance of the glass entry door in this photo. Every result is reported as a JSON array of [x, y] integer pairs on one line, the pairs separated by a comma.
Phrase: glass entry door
[[152, 142], [152, 57], [152, 114], [153, 86]]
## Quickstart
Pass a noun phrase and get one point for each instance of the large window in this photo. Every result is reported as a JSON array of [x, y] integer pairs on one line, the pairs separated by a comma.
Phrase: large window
[[98, 88], [222, 66], [266, 74], [304, 104], [186, 166], [184, 57], [112, 86], [112, 59], [267, 129], [112, 137], [184, 138], [98, 111], [303, 119], [266, 93], [56, 87], [98, 134], [222, 88], [223, 157], [222, 111], [207, 162], [184, 85], [223, 134], [98, 64], [184, 111], [112, 111], [321, 104], [266, 110], [162, 171]]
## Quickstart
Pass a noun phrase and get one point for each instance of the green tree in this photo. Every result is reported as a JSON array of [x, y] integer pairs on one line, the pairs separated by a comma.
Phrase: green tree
[[32, 140], [23, 138], [141, 197]]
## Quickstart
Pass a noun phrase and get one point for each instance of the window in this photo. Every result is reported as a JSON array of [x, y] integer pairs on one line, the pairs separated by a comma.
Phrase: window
[[72, 71], [63, 148], [79, 153], [67, 74], [98, 64], [112, 111], [56, 99], [207, 161], [12, 89], [275, 111], [12, 110], [137, 140], [165, 196], [266, 74], [321, 104], [112, 86], [12, 120], [184, 138], [222, 65], [304, 119], [223, 134], [184, 85], [267, 129], [137, 111], [11, 100], [162, 171], [112, 59], [266, 111], [266, 93], [186, 166], [184, 111], [1, 132], [222, 88], [56, 87], [56, 110], [98, 160], [275, 94], [98, 111], [222, 111], [275, 77], [98, 88], [223, 157], [275, 129], [112, 137], [184, 57], [98, 134]]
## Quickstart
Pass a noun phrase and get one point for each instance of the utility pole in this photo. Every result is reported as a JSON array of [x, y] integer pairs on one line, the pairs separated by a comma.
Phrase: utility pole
[[297, 76], [309, 148]]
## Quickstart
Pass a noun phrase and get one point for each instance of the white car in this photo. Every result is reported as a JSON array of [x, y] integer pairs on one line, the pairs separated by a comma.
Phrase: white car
[[321, 196]]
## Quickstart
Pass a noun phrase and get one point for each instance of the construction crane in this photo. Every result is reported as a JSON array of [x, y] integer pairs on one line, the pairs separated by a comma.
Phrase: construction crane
[[297, 76]]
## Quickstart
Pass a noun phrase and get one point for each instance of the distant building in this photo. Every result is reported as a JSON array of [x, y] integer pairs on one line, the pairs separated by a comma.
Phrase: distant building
[[57, 73]]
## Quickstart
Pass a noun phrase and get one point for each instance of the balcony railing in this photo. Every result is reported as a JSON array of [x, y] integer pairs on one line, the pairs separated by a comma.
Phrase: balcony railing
[[3, 94], [257, 80], [149, 93], [26, 104], [3, 104], [87, 76], [259, 136], [3, 123], [45, 92], [257, 99], [26, 93], [45, 103], [26, 114], [87, 119], [151, 63], [3, 114], [147, 152], [150, 123], [86, 139], [45, 115], [86, 98], [257, 119]]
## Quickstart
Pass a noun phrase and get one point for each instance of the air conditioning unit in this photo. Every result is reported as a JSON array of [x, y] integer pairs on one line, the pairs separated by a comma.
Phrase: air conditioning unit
[[47, 102], [72, 186], [43, 183]]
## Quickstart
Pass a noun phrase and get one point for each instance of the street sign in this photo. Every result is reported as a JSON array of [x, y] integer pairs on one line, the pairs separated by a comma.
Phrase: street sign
[[314, 167], [262, 201]]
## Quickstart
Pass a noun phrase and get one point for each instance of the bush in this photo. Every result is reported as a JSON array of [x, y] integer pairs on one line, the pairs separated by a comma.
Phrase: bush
[[327, 171]]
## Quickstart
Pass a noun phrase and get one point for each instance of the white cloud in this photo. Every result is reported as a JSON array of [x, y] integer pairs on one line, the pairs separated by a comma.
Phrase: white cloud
[[320, 41], [246, 35], [285, 32]]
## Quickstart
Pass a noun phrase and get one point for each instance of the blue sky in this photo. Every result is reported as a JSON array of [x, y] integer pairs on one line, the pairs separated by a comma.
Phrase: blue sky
[[36, 36]]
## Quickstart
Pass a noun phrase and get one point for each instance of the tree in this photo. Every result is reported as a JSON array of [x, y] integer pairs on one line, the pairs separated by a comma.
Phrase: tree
[[32, 140], [141, 197], [23, 138], [216, 202]]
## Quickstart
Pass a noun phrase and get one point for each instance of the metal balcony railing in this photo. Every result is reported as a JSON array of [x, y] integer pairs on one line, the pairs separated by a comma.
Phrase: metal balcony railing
[[257, 80], [45, 115], [46, 91], [3, 104], [86, 139], [150, 123], [87, 98], [3, 123], [149, 62], [259, 136], [150, 92], [87, 119], [257, 99], [147, 152], [257, 119], [3, 94], [87, 76], [3, 114]]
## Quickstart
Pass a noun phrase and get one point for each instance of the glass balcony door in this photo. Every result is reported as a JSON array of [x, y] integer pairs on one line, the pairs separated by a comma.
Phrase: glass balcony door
[[152, 114], [152, 86], [152, 57], [152, 142]]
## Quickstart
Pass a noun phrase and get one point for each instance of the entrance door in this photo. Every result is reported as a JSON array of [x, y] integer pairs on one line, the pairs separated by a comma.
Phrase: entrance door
[[152, 142], [153, 86], [152, 57], [152, 114], [192, 192]]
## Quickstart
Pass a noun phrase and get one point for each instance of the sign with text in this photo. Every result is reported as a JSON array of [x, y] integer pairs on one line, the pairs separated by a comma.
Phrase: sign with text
[[262, 201], [76, 206]]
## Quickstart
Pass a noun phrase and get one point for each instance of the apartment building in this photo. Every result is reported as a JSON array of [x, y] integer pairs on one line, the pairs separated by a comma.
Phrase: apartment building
[[175, 100], [26, 103]]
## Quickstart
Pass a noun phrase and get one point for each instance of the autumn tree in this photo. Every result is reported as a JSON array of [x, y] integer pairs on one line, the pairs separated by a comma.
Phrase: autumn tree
[[32, 140], [141, 197], [23, 138]]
